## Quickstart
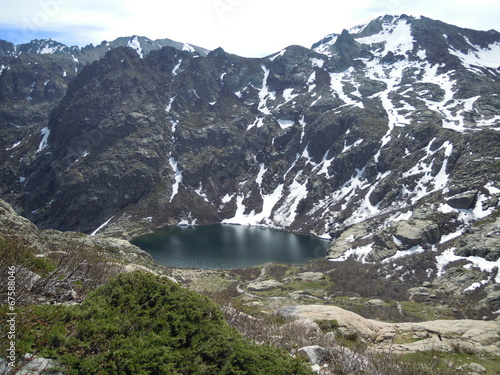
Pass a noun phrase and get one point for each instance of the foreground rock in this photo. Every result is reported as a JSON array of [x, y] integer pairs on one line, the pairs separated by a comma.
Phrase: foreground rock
[[60, 267], [443, 335]]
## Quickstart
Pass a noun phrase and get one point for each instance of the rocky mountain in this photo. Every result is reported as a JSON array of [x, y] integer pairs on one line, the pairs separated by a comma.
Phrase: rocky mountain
[[34, 77], [90, 52], [384, 139]]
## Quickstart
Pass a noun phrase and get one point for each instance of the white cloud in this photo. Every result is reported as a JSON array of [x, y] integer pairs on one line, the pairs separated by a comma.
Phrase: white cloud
[[245, 27]]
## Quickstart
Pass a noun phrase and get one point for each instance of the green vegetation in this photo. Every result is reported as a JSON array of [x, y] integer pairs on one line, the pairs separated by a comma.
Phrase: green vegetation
[[142, 324], [16, 250]]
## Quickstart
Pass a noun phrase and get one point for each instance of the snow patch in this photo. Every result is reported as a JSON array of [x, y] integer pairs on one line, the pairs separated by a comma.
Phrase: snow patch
[[359, 253], [475, 286], [260, 175], [439, 181], [102, 226], [311, 82], [177, 175], [487, 57], [189, 222], [175, 71], [201, 193], [404, 253], [45, 139], [262, 218], [227, 198], [285, 124], [169, 106], [285, 215], [3, 67], [318, 63], [188, 47], [136, 45], [281, 53], [13, 146], [265, 94], [448, 256], [397, 38], [288, 96]]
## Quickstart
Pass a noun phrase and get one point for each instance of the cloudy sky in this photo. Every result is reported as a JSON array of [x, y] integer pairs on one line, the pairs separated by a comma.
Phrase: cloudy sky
[[245, 27]]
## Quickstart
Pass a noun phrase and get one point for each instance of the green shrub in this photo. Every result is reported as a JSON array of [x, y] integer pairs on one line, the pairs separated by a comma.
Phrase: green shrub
[[142, 324]]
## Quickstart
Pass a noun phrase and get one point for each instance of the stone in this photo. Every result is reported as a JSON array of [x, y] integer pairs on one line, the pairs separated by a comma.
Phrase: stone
[[26, 278], [375, 302], [303, 326], [416, 232], [419, 292], [492, 300], [310, 276], [475, 335], [314, 354], [458, 279], [347, 240], [483, 241], [477, 368], [463, 201], [32, 365], [264, 285]]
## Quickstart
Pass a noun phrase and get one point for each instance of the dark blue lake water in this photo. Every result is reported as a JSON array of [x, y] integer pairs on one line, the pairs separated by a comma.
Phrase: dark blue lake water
[[229, 246]]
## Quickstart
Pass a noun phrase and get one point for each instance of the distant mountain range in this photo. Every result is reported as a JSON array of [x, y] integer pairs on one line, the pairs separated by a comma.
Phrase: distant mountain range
[[90, 52], [384, 138]]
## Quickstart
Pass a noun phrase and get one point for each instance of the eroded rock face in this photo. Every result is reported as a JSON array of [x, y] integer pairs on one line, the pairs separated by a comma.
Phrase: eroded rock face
[[482, 241], [463, 201], [19, 233], [415, 232]]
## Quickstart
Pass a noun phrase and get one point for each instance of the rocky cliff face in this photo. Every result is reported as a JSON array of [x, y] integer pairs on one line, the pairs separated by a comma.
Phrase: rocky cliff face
[[34, 77], [383, 138]]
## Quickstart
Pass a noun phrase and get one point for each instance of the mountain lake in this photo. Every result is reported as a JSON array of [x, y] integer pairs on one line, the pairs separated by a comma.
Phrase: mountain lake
[[229, 246]]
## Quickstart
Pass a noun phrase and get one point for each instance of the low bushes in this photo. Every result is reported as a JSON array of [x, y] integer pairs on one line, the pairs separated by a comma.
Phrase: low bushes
[[141, 324]]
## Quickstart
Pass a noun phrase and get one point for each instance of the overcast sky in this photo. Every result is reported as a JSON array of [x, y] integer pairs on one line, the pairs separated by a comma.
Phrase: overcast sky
[[245, 27]]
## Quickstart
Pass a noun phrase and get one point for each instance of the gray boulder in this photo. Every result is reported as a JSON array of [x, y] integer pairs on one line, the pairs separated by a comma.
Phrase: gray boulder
[[463, 201], [314, 354], [415, 232]]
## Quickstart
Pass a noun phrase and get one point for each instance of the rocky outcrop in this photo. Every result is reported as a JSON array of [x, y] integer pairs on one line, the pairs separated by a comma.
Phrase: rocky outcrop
[[11, 224], [444, 335], [314, 354], [481, 241], [415, 232], [32, 364], [264, 285], [50, 264], [463, 201]]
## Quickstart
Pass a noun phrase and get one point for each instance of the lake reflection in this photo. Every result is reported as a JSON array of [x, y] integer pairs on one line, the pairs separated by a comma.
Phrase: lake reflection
[[229, 246]]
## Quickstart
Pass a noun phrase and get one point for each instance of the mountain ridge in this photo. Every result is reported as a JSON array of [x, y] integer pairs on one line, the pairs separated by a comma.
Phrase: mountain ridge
[[50, 46]]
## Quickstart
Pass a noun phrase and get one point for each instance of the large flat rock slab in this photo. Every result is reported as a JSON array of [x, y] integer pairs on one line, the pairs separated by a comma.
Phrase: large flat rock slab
[[442, 335]]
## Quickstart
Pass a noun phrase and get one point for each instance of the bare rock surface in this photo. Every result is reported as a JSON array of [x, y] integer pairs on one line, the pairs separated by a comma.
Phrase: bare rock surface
[[443, 335]]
